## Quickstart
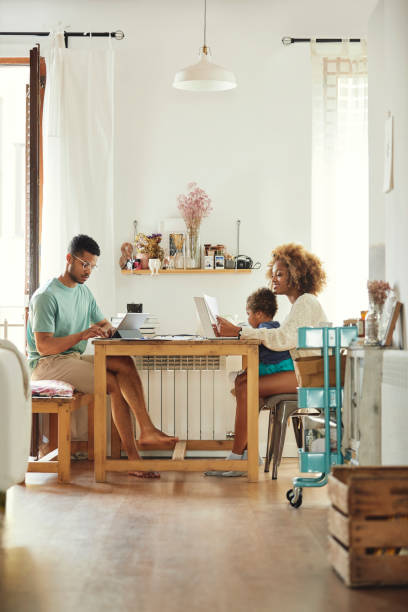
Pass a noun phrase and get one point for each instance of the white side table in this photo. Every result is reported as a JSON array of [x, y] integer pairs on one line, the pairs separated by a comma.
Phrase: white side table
[[362, 405]]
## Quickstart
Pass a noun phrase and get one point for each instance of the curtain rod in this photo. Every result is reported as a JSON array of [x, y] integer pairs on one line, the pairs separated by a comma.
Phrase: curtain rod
[[118, 35], [288, 40]]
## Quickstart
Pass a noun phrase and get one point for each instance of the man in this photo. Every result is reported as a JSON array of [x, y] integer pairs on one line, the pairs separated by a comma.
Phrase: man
[[63, 317]]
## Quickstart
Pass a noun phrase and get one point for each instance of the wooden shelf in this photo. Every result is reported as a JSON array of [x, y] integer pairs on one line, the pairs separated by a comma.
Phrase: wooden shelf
[[190, 271]]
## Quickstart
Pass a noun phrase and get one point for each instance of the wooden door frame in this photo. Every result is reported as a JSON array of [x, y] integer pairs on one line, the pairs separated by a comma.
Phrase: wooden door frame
[[34, 173], [34, 185]]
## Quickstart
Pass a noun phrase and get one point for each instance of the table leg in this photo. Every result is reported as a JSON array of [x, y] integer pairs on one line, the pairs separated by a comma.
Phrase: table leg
[[100, 414], [91, 430], [253, 412]]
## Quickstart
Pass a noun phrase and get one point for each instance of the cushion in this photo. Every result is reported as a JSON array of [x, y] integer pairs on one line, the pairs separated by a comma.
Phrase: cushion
[[51, 388]]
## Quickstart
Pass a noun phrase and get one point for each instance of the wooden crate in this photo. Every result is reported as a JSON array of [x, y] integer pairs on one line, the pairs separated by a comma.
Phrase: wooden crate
[[368, 525]]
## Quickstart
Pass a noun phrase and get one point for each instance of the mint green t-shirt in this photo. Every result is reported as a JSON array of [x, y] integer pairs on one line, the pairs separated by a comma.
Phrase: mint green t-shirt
[[62, 311]]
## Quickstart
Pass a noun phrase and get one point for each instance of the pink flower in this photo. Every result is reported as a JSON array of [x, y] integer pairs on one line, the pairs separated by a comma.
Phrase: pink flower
[[378, 291], [194, 206]]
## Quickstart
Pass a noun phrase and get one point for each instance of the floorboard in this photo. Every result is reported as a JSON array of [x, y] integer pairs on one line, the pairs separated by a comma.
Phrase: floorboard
[[184, 542]]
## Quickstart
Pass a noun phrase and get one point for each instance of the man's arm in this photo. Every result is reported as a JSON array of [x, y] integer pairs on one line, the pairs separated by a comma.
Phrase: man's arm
[[48, 344], [107, 328]]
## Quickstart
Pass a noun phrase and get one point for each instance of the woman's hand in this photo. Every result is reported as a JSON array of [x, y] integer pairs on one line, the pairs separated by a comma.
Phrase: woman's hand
[[225, 328]]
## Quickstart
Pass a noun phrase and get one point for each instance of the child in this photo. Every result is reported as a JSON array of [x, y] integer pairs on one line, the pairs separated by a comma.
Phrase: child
[[261, 308]]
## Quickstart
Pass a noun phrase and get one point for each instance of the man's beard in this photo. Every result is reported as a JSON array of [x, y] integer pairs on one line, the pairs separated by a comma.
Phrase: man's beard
[[75, 279]]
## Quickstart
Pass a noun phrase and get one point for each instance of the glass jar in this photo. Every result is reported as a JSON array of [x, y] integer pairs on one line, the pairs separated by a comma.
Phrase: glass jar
[[372, 325], [193, 253]]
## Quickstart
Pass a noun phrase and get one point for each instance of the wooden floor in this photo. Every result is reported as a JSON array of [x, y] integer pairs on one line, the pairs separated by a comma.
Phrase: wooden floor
[[184, 542]]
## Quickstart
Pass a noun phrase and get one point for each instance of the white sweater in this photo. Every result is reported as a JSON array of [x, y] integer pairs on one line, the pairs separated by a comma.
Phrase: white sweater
[[306, 311]]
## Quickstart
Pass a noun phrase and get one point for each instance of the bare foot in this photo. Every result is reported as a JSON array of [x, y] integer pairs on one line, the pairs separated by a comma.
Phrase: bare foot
[[155, 437], [145, 474]]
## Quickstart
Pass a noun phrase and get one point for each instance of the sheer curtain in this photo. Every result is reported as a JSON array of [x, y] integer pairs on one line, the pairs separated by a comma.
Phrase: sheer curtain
[[78, 159], [340, 174]]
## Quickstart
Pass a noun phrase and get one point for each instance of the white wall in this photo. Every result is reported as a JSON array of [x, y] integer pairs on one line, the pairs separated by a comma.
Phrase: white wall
[[388, 91], [249, 148], [376, 104]]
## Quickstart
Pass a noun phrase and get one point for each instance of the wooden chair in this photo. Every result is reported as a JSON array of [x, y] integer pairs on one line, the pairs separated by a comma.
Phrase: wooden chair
[[62, 408], [59, 459]]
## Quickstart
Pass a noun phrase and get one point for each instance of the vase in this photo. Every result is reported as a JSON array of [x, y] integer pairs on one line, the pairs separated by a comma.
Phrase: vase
[[154, 266], [372, 325], [193, 253], [144, 260]]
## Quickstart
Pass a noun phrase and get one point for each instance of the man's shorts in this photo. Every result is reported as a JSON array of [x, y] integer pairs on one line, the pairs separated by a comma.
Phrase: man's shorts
[[76, 369]]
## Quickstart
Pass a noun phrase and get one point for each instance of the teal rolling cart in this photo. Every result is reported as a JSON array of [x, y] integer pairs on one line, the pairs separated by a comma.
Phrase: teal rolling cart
[[328, 400]]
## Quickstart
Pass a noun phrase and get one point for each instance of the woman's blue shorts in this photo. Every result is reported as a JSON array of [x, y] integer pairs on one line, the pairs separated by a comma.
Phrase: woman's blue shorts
[[271, 368]]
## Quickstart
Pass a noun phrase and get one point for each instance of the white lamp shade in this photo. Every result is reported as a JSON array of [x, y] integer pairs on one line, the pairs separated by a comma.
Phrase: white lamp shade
[[204, 76]]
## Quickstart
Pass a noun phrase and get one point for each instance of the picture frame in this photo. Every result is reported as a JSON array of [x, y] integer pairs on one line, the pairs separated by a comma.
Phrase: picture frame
[[219, 262], [209, 262], [176, 243], [168, 227], [389, 318]]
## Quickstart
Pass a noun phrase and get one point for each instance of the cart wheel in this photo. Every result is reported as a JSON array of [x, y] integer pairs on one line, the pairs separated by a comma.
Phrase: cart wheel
[[295, 498], [298, 502]]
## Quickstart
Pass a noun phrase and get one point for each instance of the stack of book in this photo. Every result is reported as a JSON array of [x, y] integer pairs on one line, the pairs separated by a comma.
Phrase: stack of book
[[148, 329]]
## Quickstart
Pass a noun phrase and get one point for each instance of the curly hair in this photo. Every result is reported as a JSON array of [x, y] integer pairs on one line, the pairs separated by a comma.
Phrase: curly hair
[[263, 300], [81, 243], [306, 272]]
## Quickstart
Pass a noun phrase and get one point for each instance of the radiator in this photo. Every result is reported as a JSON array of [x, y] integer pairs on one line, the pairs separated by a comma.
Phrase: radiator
[[190, 397], [394, 408]]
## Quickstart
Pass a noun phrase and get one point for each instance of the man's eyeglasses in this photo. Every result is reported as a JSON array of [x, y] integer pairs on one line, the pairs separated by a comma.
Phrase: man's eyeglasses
[[85, 264]]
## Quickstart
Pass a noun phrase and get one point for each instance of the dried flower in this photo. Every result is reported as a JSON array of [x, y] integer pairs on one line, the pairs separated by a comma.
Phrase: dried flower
[[149, 244], [378, 292], [194, 206]]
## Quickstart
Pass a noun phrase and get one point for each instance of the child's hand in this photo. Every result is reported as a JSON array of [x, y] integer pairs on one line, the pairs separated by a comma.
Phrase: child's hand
[[225, 328]]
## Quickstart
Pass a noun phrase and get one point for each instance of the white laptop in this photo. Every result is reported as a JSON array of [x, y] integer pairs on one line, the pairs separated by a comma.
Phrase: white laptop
[[207, 310], [129, 327]]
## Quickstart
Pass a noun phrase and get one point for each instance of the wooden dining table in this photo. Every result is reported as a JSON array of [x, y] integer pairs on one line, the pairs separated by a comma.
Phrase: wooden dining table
[[247, 349]]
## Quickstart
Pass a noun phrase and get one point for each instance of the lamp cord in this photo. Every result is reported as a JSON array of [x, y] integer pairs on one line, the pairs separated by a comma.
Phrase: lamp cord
[[205, 23]]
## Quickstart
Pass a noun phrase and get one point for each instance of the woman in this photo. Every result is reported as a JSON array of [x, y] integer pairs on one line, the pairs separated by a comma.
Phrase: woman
[[299, 275]]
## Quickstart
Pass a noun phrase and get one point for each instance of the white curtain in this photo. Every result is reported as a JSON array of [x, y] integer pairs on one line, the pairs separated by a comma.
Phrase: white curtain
[[78, 159], [340, 174]]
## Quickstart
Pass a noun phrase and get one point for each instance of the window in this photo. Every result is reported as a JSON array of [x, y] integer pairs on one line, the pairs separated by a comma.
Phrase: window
[[15, 218], [340, 177]]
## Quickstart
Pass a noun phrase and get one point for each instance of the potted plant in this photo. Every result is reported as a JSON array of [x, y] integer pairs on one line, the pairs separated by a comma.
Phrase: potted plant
[[148, 247]]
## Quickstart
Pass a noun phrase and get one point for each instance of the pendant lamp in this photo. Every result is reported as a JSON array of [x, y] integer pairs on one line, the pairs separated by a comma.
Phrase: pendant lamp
[[204, 75]]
